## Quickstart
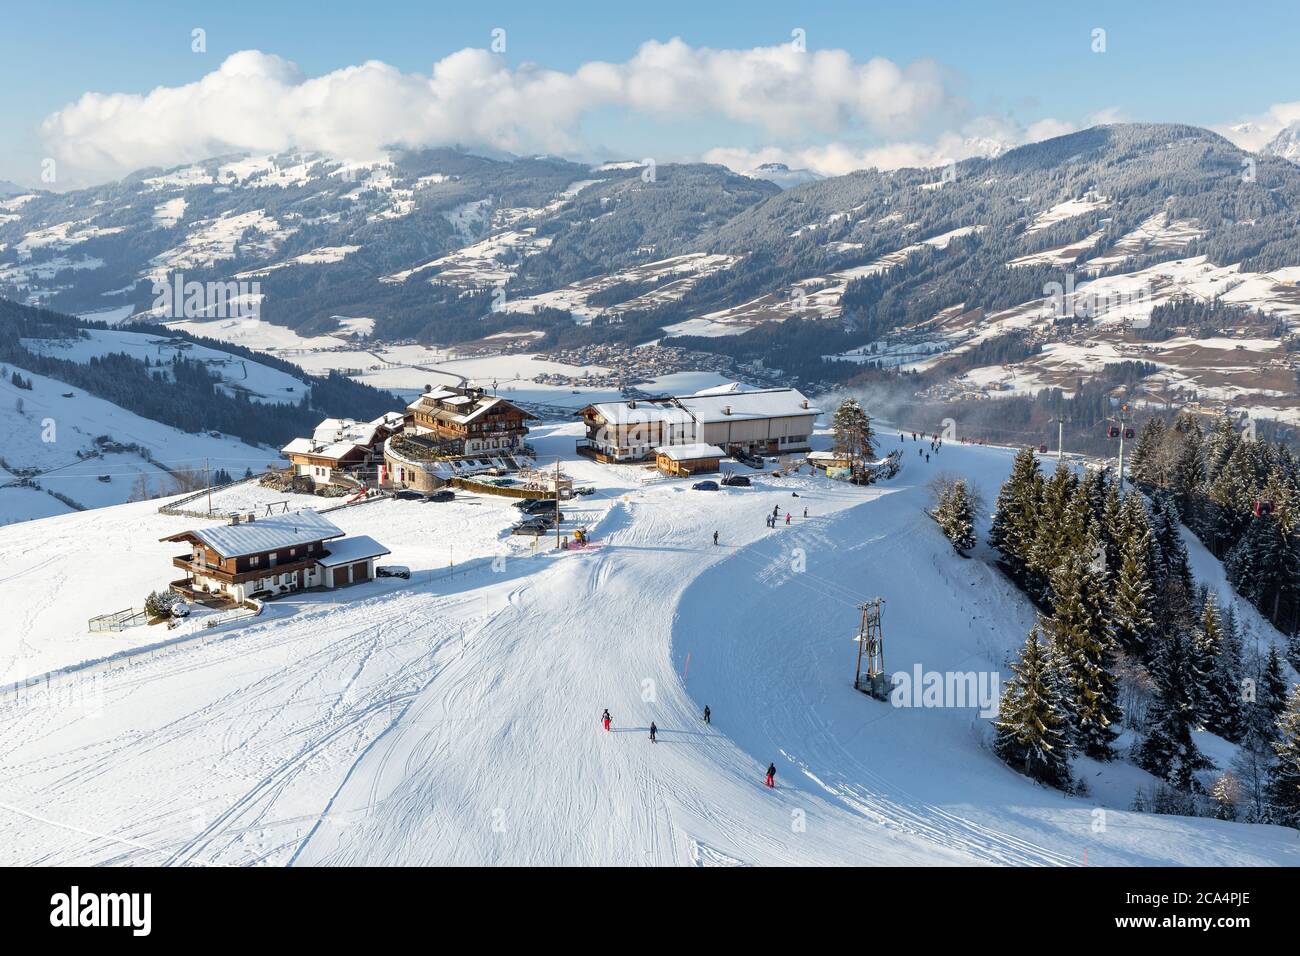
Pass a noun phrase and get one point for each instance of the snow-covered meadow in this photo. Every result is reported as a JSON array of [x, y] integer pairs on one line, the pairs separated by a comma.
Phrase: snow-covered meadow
[[454, 718]]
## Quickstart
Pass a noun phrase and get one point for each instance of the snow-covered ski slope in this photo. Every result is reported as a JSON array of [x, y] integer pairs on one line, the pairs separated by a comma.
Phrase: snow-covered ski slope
[[456, 719]]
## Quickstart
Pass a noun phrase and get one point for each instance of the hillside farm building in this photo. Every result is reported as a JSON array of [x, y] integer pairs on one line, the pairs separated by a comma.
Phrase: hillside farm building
[[466, 421], [341, 450], [767, 421], [251, 558]]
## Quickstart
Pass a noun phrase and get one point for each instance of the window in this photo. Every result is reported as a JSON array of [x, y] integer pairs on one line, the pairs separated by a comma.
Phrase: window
[[255, 560]]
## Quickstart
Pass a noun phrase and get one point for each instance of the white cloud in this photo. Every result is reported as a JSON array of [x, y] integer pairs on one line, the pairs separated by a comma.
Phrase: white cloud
[[982, 136], [1255, 132], [258, 102]]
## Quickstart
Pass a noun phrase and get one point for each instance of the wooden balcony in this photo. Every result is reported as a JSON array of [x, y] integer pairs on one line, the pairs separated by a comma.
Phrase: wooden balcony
[[186, 563]]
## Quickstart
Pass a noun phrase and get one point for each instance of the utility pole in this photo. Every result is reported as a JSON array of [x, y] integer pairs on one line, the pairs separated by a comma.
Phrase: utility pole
[[1123, 426], [207, 477], [557, 502]]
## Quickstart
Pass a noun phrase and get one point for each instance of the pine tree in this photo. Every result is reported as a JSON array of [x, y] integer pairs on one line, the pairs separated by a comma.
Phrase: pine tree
[[1226, 794], [1131, 600], [1015, 514], [1168, 750], [1219, 694], [1168, 538], [1114, 526], [1031, 730], [1081, 634], [1054, 535], [1272, 690], [853, 435], [1145, 466], [956, 516], [1284, 785]]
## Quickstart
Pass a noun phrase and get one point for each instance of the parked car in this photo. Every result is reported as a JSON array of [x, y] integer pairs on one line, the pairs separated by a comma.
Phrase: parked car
[[736, 481], [181, 609], [532, 526], [745, 458], [442, 494], [393, 571], [523, 503], [409, 494], [540, 507], [584, 490], [705, 486]]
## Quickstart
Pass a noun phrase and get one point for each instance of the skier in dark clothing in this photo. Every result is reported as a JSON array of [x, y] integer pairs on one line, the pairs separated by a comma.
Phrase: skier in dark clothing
[[653, 730], [805, 512], [715, 537], [771, 775], [706, 713], [776, 510], [605, 718], [927, 459]]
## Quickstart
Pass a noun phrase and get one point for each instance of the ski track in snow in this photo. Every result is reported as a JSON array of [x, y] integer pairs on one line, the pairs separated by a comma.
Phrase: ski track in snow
[[455, 722]]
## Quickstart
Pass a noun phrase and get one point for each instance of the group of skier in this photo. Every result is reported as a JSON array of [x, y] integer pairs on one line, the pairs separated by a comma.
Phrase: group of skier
[[606, 720], [776, 513]]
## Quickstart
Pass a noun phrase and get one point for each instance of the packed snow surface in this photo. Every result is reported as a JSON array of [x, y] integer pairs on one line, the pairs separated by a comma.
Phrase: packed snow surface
[[454, 717]]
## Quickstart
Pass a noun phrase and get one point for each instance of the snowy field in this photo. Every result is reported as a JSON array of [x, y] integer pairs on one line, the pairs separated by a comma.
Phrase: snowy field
[[51, 427], [454, 718], [260, 383]]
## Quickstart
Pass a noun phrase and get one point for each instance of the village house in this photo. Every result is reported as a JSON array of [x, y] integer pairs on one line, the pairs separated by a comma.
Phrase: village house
[[263, 557], [467, 421], [768, 421], [340, 450], [680, 461]]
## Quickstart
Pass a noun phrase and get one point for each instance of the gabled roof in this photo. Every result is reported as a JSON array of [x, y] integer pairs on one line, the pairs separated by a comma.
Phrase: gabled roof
[[263, 534], [692, 452], [357, 548], [336, 451], [760, 403], [641, 412]]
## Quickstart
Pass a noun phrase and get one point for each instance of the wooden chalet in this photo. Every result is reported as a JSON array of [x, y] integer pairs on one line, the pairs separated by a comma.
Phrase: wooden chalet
[[467, 421], [263, 557]]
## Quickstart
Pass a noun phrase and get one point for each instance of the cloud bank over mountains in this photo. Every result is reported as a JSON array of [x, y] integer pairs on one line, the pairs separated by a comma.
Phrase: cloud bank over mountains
[[819, 110], [803, 102]]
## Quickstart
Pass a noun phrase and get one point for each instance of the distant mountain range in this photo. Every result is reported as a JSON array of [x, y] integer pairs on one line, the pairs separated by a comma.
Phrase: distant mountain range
[[914, 267], [1285, 144]]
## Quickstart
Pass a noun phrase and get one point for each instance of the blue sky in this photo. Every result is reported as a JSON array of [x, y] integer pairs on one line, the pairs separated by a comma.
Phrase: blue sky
[[1205, 63]]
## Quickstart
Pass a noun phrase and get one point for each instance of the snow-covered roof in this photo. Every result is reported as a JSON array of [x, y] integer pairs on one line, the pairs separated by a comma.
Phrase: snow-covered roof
[[357, 548], [690, 452], [621, 413], [449, 406], [762, 403], [255, 536], [826, 456], [333, 430], [336, 451], [300, 446], [727, 388]]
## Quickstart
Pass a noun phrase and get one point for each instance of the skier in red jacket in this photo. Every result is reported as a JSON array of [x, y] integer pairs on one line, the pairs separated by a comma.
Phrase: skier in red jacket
[[771, 775]]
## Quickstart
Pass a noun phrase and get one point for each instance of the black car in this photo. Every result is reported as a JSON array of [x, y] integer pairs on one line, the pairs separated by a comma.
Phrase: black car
[[736, 481], [523, 503], [533, 526], [442, 494], [705, 486], [539, 507], [409, 494]]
